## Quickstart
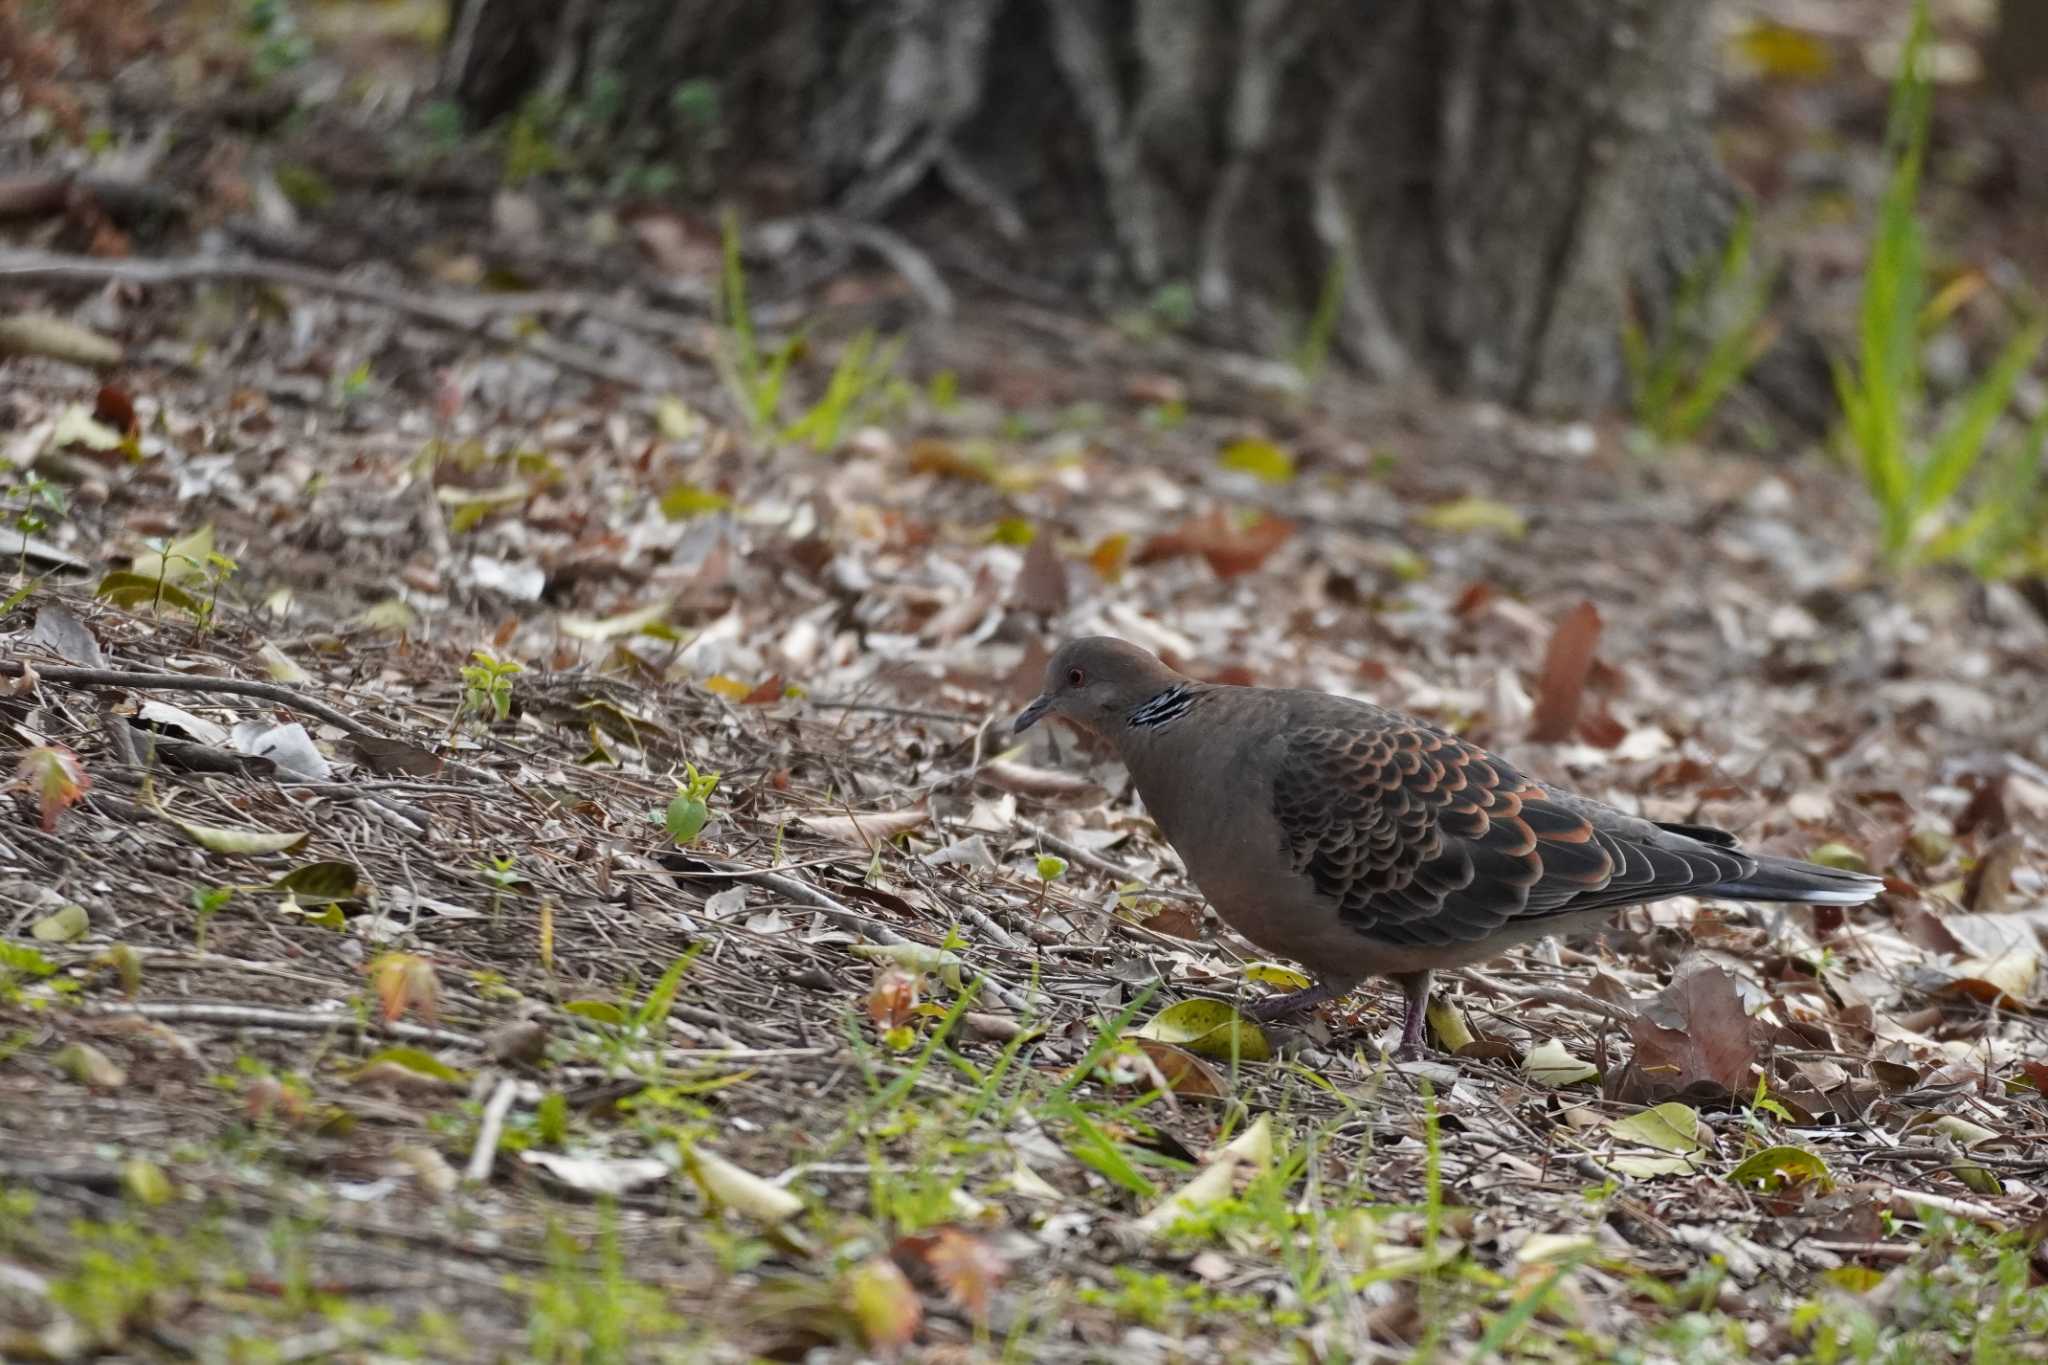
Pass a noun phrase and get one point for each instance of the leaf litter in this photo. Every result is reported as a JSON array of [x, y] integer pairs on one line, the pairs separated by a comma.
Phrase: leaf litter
[[840, 636]]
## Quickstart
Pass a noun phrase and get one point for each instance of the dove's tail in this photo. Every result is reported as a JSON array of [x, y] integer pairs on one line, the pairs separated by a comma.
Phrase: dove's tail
[[1798, 883]]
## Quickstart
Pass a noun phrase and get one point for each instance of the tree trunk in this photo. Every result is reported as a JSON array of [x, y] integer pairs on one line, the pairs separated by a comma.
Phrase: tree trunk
[[1479, 187]]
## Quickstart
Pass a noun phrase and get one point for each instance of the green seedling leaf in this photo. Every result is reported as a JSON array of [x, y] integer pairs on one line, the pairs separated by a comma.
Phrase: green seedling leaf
[[24, 960], [320, 883], [1551, 1065], [239, 842], [685, 501], [1774, 1168], [597, 1011], [1466, 515], [1051, 869], [145, 1181], [654, 1012], [1839, 856], [1854, 1279], [1669, 1127], [685, 817], [130, 590], [415, 1060], [181, 561], [63, 926], [1259, 458], [1209, 1028]]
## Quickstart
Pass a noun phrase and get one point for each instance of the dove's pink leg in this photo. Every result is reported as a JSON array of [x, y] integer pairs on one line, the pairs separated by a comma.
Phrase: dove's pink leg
[[1415, 987]]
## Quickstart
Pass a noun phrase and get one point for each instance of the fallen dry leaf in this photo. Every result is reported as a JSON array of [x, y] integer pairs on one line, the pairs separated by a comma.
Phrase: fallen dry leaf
[[1694, 1039], [1047, 784], [866, 827], [1229, 547], [1566, 664]]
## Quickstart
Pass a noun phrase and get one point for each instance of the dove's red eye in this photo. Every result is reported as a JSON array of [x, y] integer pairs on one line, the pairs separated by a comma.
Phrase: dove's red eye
[[1074, 678]]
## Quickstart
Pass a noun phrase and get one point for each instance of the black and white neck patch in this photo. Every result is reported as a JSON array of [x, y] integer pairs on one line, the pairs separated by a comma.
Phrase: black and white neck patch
[[1169, 705]]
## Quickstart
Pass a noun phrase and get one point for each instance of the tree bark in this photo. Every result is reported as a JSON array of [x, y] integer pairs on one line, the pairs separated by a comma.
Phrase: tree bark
[[1485, 185]]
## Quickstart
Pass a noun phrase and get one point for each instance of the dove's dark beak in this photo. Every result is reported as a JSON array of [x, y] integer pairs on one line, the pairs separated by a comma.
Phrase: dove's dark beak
[[1028, 717]]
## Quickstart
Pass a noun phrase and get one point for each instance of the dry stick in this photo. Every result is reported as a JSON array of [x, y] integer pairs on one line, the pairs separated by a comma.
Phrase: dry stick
[[489, 1131], [1552, 995], [452, 315], [1075, 853], [302, 1021], [238, 687], [841, 915]]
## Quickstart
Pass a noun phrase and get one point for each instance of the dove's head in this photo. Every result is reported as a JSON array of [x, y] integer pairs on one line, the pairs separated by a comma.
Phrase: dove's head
[[1097, 683]]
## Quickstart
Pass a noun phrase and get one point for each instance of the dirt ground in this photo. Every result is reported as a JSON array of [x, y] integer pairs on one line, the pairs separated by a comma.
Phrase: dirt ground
[[415, 1033]]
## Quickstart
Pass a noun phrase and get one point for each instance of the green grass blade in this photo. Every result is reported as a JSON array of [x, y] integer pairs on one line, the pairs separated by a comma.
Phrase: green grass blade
[[1960, 444]]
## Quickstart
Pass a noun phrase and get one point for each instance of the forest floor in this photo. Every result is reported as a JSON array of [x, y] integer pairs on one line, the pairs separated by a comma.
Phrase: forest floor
[[375, 1011]]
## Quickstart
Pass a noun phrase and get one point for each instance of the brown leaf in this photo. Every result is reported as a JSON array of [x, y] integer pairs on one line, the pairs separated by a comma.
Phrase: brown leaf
[[1177, 921], [116, 408], [1109, 554], [1183, 1072], [1042, 581], [963, 1265], [892, 999], [1694, 1038], [1989, 885], [1047, 784], [866, 827], [1565, 665], [1229, 548], [55, 777], [405, 981], [882, 1301]]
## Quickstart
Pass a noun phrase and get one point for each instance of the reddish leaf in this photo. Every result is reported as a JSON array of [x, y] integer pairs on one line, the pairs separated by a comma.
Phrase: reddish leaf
[[405, 981], [116, 409], [892, 999], [1182, 1071], [1694, 1038], [1041, 586], [964, 1266], [882, 1301], [1565, 665], [55, 777], [1231, 549]]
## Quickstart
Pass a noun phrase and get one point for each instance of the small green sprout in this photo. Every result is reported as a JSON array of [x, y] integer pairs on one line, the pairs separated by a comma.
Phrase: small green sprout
[[486, 688], [690, 809], [209, 901], [1050, 870]]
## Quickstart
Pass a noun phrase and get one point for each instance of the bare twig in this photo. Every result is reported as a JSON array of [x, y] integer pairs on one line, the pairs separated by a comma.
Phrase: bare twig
[[478, 1171], [301, 1021], [193, 682], [237, 687], [454, 315], [842, 915]]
